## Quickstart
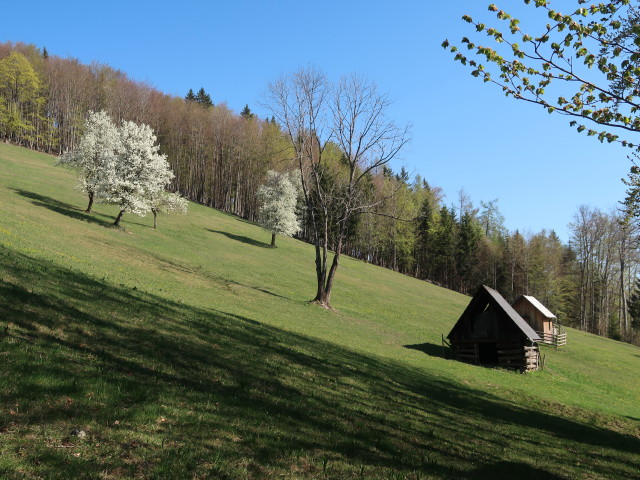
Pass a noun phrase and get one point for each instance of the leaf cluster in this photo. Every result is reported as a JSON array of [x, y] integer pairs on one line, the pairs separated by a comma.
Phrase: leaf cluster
[[590, 55]]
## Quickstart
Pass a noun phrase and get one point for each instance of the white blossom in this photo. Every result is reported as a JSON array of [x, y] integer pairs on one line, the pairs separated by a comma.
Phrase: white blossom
[[278, 198], [122, 166], [139, 172], [95, 152], [165, 202]]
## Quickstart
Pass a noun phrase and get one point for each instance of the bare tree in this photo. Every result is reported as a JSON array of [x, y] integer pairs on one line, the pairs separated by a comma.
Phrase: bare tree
[[352, 117]]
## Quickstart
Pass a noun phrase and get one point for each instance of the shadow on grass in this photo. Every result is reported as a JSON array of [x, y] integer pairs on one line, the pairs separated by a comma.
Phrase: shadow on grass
[[242, 238], [211, 394], [64, 208], [75, 212], [514, 470], [430, 349]]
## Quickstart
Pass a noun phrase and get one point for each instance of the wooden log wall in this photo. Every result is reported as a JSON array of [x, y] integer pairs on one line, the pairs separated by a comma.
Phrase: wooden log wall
[[511, 355]]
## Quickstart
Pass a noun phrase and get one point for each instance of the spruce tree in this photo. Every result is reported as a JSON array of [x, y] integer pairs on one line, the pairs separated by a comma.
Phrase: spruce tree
[[203, 98], [634, 307], [246, 112], [190, 97], [424, 247]]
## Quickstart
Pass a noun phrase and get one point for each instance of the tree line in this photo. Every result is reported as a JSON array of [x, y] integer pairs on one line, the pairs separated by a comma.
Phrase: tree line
[[221, 159], [589, 283]]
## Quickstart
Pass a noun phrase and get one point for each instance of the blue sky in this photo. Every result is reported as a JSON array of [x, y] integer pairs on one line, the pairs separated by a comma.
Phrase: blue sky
[[465, 134]]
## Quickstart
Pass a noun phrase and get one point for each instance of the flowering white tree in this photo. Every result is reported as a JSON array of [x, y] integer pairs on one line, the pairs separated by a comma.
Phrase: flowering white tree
[[278, 198], [165, 202], [139, 173], [95, 153]]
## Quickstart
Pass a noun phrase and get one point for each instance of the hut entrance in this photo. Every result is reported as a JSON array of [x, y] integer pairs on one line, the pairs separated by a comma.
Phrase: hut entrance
[[488, 353]]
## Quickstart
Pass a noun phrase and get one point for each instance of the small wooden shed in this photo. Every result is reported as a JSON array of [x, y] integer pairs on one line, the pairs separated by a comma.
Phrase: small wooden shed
[[541, 320], [490, 332], [534, 313]]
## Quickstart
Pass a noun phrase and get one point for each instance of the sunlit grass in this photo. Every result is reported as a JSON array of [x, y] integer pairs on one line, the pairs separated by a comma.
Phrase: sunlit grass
[[191, 351]]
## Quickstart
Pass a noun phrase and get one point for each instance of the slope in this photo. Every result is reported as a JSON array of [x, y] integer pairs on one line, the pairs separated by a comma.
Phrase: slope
[[191, 352]]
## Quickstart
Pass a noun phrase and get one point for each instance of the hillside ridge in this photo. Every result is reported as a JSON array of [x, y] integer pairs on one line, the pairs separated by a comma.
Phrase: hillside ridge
[[192, 351]]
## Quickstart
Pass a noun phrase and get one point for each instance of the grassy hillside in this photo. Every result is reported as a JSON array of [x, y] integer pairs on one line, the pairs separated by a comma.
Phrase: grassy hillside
[[191, 352]]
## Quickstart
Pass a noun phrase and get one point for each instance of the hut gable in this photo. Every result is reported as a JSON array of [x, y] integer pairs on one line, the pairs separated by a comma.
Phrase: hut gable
[[491, 332], [490, 316], [538, 306], [541, 320], [535, 314]]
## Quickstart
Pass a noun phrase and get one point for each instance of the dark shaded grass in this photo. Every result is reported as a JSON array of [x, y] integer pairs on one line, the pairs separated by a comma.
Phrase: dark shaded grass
[[63, 208], [166, 390], [69, 210], [242, 239]]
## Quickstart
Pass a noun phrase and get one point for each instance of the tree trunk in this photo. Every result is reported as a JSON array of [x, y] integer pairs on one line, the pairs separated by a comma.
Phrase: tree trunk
[[326, 301], [88, 210], [325, 281], [155, 218], [273, 239], [320, 275], [117, 222]]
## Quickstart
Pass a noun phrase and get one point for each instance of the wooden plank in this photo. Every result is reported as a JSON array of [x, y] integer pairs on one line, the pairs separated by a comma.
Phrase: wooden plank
[[465, 355]]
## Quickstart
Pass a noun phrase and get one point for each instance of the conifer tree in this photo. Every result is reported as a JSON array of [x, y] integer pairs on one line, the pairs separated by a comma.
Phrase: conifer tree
[[203, 98], [634, 307], [424, 240], [246, 112]]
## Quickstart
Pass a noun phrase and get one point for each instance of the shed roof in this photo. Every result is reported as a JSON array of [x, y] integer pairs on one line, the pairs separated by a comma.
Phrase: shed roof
[[486, 295], [541, 308]]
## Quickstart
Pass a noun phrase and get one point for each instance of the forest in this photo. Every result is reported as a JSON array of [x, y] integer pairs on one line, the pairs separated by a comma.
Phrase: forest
[[221, 158]]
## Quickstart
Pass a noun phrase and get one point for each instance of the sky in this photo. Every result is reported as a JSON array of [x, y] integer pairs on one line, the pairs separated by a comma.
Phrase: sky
[[465, 134]]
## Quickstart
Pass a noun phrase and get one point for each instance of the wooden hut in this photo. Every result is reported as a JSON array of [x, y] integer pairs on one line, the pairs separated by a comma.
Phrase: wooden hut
[[541, 320], [490, 332]]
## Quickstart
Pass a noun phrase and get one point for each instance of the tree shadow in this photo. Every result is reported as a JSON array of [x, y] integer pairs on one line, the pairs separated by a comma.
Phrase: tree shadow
[[242, 238], [221, 385], [63, 208], [430, 349], [505, 469]]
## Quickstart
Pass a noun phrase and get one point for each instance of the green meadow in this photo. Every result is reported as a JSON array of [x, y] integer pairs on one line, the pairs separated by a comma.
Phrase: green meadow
[[192, 352]]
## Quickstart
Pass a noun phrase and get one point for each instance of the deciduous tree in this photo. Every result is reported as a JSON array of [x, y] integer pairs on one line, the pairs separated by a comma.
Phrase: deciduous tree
[[20, 99], [94, 157], [352, 115], [584, 64], [138, 174], [166, 202], [278, 198]]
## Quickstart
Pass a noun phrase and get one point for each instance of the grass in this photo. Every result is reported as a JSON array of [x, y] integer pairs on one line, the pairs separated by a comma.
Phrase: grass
[[191, 351]]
